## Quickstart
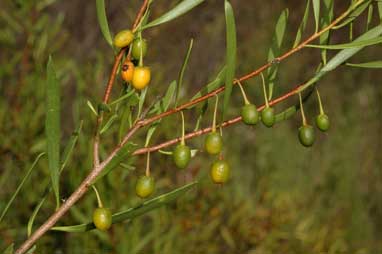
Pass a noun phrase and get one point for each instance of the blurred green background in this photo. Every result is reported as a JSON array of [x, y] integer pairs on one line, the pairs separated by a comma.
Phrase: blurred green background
[[282, 198]]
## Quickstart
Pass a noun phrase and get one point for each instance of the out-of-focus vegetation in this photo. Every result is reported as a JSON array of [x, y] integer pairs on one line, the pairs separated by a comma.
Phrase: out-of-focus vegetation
[[282, 198]]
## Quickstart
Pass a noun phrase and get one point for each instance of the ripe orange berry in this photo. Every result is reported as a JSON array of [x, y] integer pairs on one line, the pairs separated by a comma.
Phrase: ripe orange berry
[[127, 71], [141, 77]]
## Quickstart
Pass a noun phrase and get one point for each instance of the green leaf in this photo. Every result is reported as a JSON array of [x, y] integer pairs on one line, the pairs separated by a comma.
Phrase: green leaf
[[109, 123], [369, 17], [216, 83], [181, 74], [302, 26], [357, 10], [9, 249], [354, 44], [371, 65], [26, 176], [52, 127], [275, 49], [90, 105], [379, 3], [163, 106], [34, 214], [142, 99], [122, 98], [343, 56], [230, 54], [102, 21], [120, 156], [70, 146], [131, 213], [316, 10], [326, 19], [182, 8]]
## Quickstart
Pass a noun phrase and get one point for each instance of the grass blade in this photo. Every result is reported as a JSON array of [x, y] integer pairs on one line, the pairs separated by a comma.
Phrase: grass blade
[[181, 74], [302, 26], [230, 54], [371, 65], [275, 50], [131, 213], [20, 186], [52, 127], [102, 21], [182, 8]]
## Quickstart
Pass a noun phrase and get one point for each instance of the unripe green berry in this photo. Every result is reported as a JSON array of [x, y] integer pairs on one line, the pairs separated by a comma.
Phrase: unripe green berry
[[306, 135], [145, 186], [322, 122], [139, 45], [181, 156], [102, 218], [123, 38], [220, 171], [213, 143], [249, 114], [268, 116]]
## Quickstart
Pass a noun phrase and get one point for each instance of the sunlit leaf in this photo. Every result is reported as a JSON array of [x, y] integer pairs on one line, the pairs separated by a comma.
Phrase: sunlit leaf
[[182, 8], [102, 21], [131, 213], [371, 65], [230, 54], [52, 127]]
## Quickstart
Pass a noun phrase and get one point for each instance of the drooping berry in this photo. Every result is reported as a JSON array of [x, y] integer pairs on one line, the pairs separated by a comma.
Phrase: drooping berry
[[181, 156], [322, 122], [102, 218], [141, 77], [213, 143], [249, 114], [268, 116], [306, 135], [145, 186], [139, 46], [220, 171]]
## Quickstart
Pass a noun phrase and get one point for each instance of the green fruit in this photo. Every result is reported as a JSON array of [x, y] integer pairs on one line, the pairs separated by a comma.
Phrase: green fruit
[[213, 143], [123, 38], [145, 186], [102, 218], [306, 135], [249, 114], [268, 117], [138, 47], [181, 156], [322, 122], [220, 171]]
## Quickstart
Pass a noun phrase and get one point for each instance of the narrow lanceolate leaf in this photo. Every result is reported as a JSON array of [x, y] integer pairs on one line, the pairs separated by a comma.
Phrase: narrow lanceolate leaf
[[70, 146], [102, 21], [275, 50], [26, 176], [371, 65], [316, 10], [134, 212], [34, 214], [302, 26], [369, 17], [161, 107], [52, 127], [354, 44], [230, 54], [326, 19], [343, 56], [356, 10], [380, 10], [183, 69], [182, 8]]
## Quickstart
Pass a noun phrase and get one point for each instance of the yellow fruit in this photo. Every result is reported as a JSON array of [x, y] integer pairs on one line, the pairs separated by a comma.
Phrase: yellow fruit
[[127, 71], [141, 77], [123, 38]]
